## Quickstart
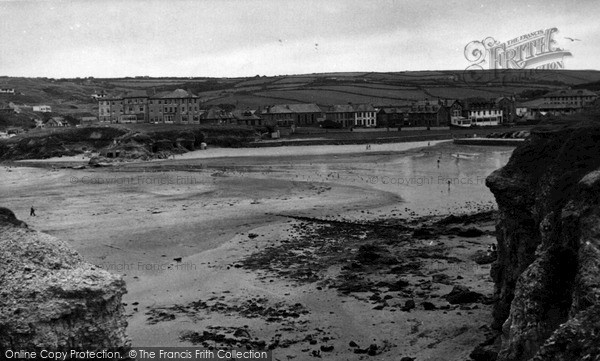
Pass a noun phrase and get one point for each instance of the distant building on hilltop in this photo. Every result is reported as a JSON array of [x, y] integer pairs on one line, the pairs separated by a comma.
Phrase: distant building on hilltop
[[55, 122], [556, 103], [4, 90], [42, 108], [10, 108], [576, 97], [99, 95]]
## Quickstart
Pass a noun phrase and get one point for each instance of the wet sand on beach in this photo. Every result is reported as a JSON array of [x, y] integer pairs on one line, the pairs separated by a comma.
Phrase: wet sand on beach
[[181, 230]]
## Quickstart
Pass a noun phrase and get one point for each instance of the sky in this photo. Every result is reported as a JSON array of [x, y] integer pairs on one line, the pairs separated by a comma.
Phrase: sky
[[231, 38]]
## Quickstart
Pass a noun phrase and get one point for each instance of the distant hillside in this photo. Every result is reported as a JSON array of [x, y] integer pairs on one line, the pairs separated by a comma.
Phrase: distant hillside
[[73, 96], [593, 86]]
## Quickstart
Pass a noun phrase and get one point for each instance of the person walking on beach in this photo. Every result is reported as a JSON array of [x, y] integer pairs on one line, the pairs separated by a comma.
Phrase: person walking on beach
[[438, 162], [32, 212]]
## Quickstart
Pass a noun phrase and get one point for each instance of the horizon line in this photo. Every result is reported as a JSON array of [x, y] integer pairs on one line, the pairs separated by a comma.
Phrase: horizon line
[[296, 74]]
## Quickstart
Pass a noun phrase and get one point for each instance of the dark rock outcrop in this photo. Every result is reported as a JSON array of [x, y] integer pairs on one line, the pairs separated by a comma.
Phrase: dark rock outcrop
[[8, 217], [547, 275], [462, 294], [51, 299]]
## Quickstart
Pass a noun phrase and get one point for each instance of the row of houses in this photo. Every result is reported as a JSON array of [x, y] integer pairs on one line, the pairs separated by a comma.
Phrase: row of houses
[[59, 122], [12, 107], [183, 107], [556, 103]]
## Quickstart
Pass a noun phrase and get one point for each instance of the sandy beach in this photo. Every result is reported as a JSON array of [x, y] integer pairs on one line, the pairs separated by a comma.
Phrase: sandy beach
[[258, 247], [269, 151]]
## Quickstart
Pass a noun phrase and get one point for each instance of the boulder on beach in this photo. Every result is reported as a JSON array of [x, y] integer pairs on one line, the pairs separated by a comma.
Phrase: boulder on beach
[[374, 254], [462, 294], [8, 217], [52, 299]]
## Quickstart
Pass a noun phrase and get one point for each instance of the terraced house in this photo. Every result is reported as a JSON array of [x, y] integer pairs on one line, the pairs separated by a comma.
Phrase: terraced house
[[571, 97], [288, 115], [343, 114], [352, 115], [366, 116], [427, 113]]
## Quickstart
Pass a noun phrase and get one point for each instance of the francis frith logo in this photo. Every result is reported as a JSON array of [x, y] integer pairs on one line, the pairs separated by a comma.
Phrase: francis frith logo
[[535, 50]]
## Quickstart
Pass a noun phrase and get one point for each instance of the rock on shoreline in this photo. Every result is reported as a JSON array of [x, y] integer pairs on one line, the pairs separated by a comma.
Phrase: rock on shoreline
[[50, 298], [547, 276]]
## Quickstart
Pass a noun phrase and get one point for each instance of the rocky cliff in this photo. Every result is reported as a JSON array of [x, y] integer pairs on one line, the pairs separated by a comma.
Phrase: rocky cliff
[[547, 276], [51, 299]]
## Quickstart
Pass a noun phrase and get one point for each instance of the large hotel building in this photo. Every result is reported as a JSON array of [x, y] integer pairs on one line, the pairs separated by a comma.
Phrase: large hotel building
[[178, 106]]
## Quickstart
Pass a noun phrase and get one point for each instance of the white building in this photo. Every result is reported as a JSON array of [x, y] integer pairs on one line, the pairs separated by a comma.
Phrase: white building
[[7, 90], [485, 117], [99, 95], [365, 115], [42, 108]]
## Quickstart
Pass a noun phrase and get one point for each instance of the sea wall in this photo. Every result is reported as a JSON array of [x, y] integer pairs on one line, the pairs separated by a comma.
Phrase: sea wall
[[488, 141], [50, 298], [547, 275]]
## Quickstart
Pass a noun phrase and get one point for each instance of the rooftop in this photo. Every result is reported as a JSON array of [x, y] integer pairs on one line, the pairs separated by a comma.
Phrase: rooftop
[[293, 108], [570, 93]]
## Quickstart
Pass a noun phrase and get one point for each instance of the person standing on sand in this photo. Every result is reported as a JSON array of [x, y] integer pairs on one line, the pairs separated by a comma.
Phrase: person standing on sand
[[32, 212]]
